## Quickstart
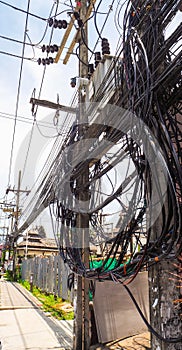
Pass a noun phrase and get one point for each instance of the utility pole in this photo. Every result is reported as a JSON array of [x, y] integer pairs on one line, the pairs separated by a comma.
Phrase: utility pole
[[16, 226], [82, 314], [26, 246], [16, 216], [8, 208], [82, 337]]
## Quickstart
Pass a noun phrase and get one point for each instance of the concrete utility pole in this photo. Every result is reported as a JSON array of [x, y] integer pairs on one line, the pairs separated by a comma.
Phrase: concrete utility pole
[[16, 216], [82, 315], [16, 226], [82, 337]]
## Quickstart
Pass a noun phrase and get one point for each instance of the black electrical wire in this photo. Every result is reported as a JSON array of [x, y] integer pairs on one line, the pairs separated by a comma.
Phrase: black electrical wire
[[16, 41], [44, 71], [143, 91], [78, 56], [21, 10], [18, 96], [147, 88], [27, 120], [95, 21], [34, 118], [101, 30], [17, 56]]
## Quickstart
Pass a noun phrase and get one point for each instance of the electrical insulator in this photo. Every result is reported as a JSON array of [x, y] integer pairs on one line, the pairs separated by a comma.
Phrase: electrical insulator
[[50, 21], [54, 48], [64, 24], [43, 48], [55, 24], [73, 82], [97, 58], [50, 48], [61, 24], [90, 70], [105, 47], [45, 61]]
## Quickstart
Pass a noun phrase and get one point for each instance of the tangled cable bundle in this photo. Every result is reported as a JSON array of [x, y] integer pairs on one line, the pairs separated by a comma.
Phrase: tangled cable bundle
[[149, 80], [132, 148]]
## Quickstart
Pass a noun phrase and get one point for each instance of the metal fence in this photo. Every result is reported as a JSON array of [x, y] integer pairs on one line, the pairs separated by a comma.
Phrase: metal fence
[[49, 274]]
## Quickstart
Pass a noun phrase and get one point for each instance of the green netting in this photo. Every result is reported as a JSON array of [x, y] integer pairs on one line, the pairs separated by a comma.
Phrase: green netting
[[110, 265], [99, 263]]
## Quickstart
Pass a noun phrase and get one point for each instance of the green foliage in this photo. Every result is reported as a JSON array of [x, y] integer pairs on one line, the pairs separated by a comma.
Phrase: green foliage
[[25, 284], [8, 275], [18, 273], [50, 303]]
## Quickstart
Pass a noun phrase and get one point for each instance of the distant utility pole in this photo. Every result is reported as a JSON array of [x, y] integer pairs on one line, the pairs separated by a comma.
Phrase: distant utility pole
[[16, 216], [16, 226]]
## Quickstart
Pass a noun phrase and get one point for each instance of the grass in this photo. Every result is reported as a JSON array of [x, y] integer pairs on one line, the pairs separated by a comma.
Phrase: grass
[[55, 306]]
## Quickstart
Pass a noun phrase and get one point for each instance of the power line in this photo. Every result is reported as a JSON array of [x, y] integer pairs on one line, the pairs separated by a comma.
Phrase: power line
[[16, 41], [101, 30], [31, 135], [18, 94], [21, 10], [27, 120], [17, 56]]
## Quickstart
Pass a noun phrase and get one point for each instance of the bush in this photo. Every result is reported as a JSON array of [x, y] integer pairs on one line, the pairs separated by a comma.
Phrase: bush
[[56, 306], [8, 275]]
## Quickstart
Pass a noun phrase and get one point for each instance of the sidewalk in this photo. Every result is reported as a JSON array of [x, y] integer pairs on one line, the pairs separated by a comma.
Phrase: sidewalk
[[23, 325]]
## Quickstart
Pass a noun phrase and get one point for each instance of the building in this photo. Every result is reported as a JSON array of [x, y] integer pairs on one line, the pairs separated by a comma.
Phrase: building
[[34, 245]]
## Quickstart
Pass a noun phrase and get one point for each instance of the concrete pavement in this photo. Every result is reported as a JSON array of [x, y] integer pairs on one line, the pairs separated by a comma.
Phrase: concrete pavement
[[23, 325]]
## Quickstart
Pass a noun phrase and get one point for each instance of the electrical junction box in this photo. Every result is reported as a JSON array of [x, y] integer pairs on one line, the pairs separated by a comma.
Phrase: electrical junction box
[[103, 84], [98, 76]]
